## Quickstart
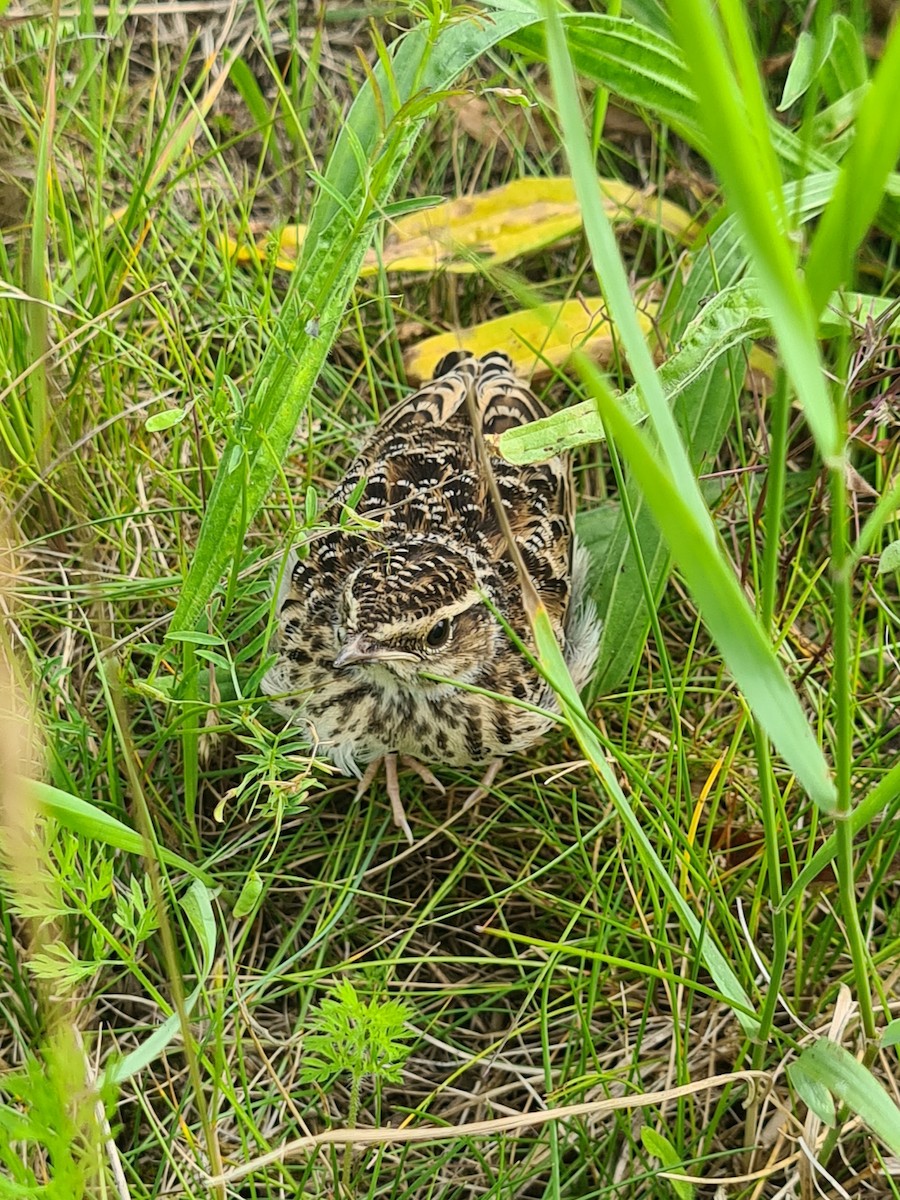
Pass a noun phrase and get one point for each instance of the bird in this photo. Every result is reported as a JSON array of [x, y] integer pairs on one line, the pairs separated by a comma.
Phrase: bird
[[401, 629]]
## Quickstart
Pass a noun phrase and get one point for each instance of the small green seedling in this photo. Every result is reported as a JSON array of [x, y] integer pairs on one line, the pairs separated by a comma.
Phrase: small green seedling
[[362, 1037]]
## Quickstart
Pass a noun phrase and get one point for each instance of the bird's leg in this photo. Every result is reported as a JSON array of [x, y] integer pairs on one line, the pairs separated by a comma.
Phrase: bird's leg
[[486, 780], [393, 786], [423, 773], [366, 782], [393, 791]]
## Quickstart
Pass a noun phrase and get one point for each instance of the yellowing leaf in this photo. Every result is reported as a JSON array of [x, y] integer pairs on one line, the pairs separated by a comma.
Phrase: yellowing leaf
[[515, 219], [495, 226], [536, 339], [289, 242], [506, 222]]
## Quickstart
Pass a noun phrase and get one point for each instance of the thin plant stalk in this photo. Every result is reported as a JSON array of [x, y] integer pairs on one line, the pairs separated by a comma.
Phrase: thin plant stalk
[[352, 1117], [774, 511], [843, 749]]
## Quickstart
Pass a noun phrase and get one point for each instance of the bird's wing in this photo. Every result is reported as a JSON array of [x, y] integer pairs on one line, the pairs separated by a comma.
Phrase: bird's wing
[[422, 473], [538, 498]]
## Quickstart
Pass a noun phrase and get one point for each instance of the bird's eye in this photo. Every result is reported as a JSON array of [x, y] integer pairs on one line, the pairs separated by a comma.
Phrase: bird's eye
[[438, 634]]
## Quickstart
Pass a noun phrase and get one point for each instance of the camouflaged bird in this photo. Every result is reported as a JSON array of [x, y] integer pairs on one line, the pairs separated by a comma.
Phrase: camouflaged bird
[[382, 617]]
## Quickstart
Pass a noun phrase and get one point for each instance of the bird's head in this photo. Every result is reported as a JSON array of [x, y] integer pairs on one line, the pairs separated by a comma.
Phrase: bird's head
[[419, 607]]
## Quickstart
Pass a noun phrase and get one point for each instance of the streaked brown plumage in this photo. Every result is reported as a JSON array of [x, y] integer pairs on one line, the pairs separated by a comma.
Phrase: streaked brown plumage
[[375, 604]]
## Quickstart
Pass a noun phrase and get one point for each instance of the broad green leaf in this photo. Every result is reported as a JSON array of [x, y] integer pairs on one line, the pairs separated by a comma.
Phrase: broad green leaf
[[814, 1094], [643, 66], [810, 53], [890, 559], [91, 822], [891, 1035], [722, 603], [633, 61], [164, 420], [660, 1147], [831, 1066], [358, 181]]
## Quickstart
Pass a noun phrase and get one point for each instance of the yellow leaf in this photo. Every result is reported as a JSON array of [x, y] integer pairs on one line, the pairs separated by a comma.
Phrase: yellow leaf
[[493, 227], [515, 219], [536, 339], [289, 242]]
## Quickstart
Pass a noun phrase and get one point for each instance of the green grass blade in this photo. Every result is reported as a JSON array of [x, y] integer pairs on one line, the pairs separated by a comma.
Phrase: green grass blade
[[554, 666], [864, 172], [609, 267], [885, 794], [91, 822], [745, 649], [740, 149]]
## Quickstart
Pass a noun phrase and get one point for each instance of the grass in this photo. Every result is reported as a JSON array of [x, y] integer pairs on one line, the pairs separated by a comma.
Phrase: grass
[[695, 877]]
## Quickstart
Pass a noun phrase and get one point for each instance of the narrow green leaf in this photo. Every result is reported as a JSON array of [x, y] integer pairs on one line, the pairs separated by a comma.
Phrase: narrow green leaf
[[740, 148], [91, 822], [885, 795], [810, 53], [831, 1066], [197, 905], [723, 605], [195, 637], [861, 184], [250, 92], [845, 70], [801, 72]]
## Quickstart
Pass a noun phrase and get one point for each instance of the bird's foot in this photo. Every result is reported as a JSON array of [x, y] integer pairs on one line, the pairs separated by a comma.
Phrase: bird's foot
[[487, 779], [392, 785], [423, 773]]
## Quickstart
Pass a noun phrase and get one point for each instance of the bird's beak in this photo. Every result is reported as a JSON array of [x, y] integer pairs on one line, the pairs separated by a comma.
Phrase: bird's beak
[[361, 649]]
